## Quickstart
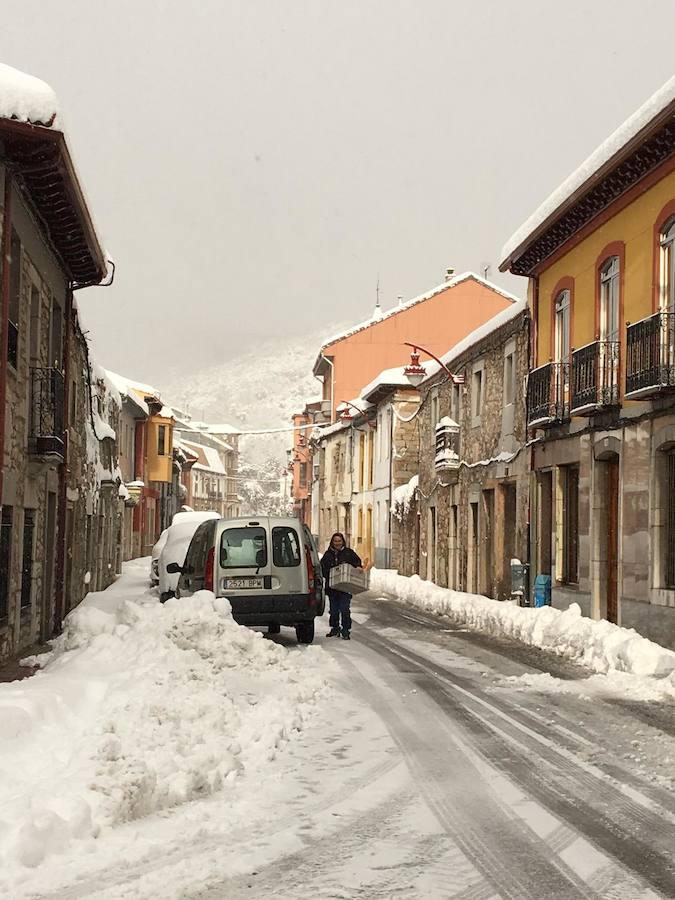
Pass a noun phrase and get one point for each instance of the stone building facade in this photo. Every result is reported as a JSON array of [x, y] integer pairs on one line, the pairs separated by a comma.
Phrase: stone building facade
[[50, 463], [466, 518]]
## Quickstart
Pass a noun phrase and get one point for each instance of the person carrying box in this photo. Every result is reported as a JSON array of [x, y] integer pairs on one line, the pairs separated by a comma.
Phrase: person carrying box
[[340, 614]]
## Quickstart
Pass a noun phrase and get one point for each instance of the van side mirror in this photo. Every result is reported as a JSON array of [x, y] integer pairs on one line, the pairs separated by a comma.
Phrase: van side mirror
[[174, 569]]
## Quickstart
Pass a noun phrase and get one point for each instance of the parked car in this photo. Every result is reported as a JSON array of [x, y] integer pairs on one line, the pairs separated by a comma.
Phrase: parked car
[[154, 559], [179, 535], [268, 568]]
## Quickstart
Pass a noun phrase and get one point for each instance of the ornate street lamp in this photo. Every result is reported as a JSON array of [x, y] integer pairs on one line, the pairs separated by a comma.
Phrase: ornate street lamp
[[415, 371]]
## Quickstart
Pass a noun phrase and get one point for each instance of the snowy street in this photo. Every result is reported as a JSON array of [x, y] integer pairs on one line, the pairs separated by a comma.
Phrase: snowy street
[[422, 759]]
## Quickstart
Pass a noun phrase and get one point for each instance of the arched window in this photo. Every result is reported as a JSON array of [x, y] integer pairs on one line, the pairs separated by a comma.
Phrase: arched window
[[609, 299], [562, 326], [667, 267]]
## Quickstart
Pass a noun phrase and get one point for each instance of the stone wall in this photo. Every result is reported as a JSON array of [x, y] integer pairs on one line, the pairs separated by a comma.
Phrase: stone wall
[[30, 483], [463, 529]]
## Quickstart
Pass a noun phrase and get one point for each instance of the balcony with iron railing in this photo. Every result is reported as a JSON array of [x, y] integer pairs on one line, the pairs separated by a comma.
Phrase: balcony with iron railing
[[594, 377], [650, 356], [548, 395], [45, 439]]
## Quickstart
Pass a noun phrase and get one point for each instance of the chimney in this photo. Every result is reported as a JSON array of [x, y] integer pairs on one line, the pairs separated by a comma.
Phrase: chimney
[[400, 299], [449, 274]]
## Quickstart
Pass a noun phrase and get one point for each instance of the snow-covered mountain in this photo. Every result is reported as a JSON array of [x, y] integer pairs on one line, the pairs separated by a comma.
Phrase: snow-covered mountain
[[254, 390]]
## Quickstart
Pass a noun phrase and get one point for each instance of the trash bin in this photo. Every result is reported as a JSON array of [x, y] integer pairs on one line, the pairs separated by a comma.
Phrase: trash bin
[[542, 590], [520, 582]]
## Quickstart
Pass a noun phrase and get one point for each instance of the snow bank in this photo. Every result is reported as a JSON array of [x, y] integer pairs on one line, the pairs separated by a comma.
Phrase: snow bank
[[140, 707], [598, 645], [26, 98]]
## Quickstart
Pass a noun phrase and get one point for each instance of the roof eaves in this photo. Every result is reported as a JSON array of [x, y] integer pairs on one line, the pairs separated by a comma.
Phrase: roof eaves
[[58, 165], [596, 177]]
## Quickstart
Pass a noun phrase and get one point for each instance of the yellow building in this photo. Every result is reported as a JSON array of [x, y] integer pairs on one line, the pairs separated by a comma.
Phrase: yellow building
[[600, 259]]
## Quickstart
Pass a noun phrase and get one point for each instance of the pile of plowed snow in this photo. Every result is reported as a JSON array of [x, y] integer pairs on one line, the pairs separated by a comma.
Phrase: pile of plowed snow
[[141, 707]]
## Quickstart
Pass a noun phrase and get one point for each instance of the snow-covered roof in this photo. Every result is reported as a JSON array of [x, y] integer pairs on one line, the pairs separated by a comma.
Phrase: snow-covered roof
[[387, 378], [138, 392], [30, 122], [188, 432], [208, 458], [26, 98], [477, 335], [402, 307], [222, 428], [586, 172]]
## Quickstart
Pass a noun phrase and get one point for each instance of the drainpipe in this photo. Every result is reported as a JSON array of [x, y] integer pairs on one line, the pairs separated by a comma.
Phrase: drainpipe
[[532, 507], [6, 253]]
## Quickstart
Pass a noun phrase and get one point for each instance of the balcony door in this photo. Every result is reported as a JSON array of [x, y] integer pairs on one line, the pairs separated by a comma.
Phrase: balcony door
[[667, 303], [667, 280], [610, 296], [562, 327], [609, 300], [562, 351]]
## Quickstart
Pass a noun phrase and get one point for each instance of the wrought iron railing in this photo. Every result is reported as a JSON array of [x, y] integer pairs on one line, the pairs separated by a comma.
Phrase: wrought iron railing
[[595, 376], [47, 411], [548, 394], [650, 354]]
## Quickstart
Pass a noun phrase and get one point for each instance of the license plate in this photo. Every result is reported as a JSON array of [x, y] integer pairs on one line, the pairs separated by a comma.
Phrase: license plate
[[242, 584]]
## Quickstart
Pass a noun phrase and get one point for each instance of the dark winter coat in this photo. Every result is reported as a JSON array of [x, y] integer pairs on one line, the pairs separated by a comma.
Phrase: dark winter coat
[[332, 558]]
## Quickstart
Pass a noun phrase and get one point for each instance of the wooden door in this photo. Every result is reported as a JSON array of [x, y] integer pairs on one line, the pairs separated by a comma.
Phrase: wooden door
[[612, 540]]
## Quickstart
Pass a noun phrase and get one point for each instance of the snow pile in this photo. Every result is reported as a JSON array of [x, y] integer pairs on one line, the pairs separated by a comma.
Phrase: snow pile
[[598, 645], [140, 707], [26, 98], [402, 497]]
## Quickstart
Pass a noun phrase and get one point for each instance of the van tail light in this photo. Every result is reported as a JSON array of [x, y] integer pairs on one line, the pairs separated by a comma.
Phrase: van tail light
[[208, 569], [311, 577]]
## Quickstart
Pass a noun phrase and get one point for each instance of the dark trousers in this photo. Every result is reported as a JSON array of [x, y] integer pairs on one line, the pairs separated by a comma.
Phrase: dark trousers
[[340, 609]]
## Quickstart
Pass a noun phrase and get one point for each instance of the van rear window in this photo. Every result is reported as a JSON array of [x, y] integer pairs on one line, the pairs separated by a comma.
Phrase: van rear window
[[285, 547], [243, 548]]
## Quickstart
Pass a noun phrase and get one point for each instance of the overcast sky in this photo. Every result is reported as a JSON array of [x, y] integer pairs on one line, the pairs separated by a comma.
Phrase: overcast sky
[[254, 166]]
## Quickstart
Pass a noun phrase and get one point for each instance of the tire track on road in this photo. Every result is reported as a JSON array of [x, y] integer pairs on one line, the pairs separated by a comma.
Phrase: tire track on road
[[590, 803]]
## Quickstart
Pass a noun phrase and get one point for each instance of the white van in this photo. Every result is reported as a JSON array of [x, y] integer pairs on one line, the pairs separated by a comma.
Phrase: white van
[[268, 568]]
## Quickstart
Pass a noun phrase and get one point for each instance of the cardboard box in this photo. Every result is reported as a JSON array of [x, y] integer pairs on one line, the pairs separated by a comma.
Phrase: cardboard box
[[348, 579]]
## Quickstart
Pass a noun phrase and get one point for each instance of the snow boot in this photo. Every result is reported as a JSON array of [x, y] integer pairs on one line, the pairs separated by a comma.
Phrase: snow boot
[[333, 633]]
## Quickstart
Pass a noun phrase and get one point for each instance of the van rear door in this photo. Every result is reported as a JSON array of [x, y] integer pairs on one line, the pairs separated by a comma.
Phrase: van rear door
[[244, 564]]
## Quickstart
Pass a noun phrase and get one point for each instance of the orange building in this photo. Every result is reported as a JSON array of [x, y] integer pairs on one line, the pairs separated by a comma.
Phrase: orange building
[[437, 319], [301, 460]]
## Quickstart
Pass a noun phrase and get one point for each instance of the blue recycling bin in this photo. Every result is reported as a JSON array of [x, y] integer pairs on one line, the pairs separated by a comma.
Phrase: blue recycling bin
[[542, 590]]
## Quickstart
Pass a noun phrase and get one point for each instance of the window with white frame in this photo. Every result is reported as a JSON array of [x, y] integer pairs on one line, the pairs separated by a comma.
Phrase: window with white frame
[[562, 327], [477, 391], [609, 299], [667, 274], [434, 408], [456, 410], [509, 379]]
